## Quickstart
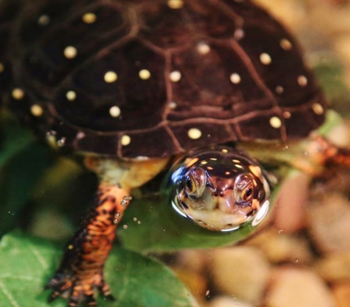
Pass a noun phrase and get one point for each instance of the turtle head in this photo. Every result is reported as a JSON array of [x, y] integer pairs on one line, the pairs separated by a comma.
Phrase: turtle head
[[219, 188]]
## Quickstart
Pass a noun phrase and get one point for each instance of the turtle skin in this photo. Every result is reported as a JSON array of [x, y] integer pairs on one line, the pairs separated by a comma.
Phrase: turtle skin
[[134, 79]]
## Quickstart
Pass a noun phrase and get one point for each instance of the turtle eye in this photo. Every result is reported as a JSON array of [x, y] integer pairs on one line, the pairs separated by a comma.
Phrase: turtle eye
[[244, 189], [196, 181]]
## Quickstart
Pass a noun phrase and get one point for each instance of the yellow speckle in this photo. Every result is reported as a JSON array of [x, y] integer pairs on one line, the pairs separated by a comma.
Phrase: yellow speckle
[[175, 76], [36, 110], [173, 105], [287, 114], [213, 159], [286, 44], [227, 173], [235, 78], [265, 59], [18, 94], [70, 52], [114, 111], [302, 81], [145, 74], [224, 150], [70, 246], [204, 162], [279, 89], [318, 108], [194, 133], [2, 68], [44, 20], [126, 140], [275, 122], [203, 48], [209, 168], [71, 95], [89, 18], [110, 77], [175, 4]]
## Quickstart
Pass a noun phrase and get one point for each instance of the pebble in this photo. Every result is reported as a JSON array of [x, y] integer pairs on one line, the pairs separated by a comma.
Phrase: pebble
[[329, 222], [280, 247], [226, 301], [290, 206], [294, 287], [334, 267], [342, 294], [242, 272]]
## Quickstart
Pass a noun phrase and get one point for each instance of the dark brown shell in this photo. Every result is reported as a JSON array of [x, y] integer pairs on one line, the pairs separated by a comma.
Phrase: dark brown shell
[[182, 74]]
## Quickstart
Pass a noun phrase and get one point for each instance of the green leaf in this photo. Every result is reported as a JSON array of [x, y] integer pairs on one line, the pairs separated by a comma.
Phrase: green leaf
[[27, 264], [151, 224]]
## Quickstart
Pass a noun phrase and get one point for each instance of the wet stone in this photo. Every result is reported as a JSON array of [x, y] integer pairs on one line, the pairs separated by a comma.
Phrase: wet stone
[[335, 267], [293, 287], [242, 272], [329, 221], [280, 247], [290, 212], [225, 301], [341, 293]]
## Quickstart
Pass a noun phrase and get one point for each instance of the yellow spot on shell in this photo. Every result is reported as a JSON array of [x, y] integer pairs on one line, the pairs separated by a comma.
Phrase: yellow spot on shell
[[44, 20], [36, 110], [224, 150], [318, 108], [265, 59], [71, 95], [286, 44], [287, 114], [275, 122], [145, 74], [175, 76], [18, 94], [175, 4], [203, 48], [126, 140], [70, 52], [194, 133], [302, 81], [279, 89], [114, 111], [89, 18], [110, 77], [70, 246], [235, 78]]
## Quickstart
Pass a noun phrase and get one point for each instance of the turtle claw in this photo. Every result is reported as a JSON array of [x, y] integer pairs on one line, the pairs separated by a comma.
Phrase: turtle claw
[[77, 290]]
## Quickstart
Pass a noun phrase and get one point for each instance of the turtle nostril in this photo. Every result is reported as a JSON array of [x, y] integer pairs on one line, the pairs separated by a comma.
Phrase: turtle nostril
[[216, 194], [221, 194]]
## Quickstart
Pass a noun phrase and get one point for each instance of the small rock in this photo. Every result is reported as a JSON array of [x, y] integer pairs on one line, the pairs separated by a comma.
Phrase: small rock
[[225, 301], [293, 287], [335, 267], [242, 272], [290, 206], [342, 295], [329, 222], [279, 247], [193, 260]]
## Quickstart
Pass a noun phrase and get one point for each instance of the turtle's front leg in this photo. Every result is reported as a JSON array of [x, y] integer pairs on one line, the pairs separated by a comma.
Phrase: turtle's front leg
[[81, 269]]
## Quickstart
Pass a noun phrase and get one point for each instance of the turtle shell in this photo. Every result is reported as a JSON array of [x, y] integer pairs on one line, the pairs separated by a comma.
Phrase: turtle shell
[[142, 78]]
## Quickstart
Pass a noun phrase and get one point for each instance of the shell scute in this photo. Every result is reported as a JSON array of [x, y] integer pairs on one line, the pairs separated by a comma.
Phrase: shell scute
[[141, 101], [205, 84], [173, 28]]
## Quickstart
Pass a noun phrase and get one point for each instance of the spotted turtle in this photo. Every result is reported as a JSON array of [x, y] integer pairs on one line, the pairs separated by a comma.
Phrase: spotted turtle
[[130, 85]]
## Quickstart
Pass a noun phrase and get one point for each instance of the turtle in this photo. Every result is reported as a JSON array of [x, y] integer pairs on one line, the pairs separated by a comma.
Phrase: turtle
[[210, 90]]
